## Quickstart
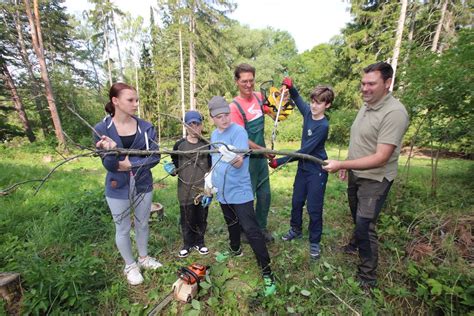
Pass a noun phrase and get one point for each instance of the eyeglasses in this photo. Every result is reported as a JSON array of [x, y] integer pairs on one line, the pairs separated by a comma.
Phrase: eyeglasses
[[195, 123], [245, 82]]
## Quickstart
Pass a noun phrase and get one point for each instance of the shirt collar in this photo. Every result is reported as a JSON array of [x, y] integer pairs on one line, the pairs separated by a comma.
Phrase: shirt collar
[[379, 104]]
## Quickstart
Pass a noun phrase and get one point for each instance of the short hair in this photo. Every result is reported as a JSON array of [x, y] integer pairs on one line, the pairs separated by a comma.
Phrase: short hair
[[243, 68], [322, 93], [385, 69], [115, 91]]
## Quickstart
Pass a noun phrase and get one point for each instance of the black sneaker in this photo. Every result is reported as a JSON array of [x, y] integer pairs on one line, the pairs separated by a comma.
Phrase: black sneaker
[[203, 250], [367, 286], [183, 253]]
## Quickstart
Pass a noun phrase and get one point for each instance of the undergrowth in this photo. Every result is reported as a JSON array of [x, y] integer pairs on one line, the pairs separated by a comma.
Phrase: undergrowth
[[61, 241]]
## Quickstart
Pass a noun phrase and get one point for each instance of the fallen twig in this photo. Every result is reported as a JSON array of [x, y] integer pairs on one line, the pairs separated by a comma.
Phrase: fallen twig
[[332, 292]]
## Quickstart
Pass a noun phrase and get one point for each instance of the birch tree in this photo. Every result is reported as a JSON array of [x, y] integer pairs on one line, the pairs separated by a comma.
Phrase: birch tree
[[398, 40]]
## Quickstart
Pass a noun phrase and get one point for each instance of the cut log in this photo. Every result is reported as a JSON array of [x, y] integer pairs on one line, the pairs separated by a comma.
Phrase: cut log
[[10, 291]]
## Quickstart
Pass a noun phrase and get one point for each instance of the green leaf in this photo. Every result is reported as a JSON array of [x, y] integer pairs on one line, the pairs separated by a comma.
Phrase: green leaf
[[305, 293], [436, 287], [290, 309], [205, 285], [196, 305], [292, 288], [212, 301], [412, 270]]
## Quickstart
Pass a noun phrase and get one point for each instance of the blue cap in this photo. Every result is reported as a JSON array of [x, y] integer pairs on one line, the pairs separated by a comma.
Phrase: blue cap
[[192, 116]]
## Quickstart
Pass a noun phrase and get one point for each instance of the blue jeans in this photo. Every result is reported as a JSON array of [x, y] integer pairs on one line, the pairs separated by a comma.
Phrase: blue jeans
[[309, 188]]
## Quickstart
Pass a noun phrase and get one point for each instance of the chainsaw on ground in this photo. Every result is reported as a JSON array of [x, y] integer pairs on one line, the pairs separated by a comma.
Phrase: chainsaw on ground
[[186, 286]]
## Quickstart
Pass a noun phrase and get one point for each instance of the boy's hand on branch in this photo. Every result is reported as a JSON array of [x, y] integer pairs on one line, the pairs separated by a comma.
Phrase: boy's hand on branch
[[227, 154], [273, 163]]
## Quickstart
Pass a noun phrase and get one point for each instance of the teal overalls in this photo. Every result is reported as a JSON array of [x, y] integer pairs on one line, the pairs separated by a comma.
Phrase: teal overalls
[[258, 167]]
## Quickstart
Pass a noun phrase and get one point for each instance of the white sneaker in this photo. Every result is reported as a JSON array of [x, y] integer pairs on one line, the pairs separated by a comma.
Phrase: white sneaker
[[132, 272], [149, 263]]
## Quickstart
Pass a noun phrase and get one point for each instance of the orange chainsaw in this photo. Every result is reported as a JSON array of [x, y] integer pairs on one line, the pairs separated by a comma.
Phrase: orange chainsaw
[[276, 104], [185, 288]]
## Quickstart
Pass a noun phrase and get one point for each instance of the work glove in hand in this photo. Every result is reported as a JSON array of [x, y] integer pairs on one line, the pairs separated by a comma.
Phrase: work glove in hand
[[227, 155], [206, 201], [209, 189], [287, 82], [273, 163], [170, 168]]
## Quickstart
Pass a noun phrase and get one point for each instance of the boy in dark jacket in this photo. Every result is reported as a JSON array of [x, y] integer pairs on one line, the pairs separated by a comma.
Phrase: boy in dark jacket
[[191, 170], [310, 179]]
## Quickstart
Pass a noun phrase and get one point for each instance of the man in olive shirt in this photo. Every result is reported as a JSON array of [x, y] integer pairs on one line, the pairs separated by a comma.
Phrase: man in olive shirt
[[374, 148]]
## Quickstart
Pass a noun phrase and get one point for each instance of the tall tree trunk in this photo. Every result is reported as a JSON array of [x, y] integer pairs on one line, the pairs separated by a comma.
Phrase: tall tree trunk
[[96, 74], [37, 41], [158, 109], [434, 46], [117, 44], [183, 108], [35, 86], [398, 41], [137, 87], [192, 63], [18, 104], [107, 50]]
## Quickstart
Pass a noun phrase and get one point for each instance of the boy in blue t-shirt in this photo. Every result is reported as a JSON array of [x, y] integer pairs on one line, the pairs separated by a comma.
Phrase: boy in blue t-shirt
[[231, 178], [310, 179]]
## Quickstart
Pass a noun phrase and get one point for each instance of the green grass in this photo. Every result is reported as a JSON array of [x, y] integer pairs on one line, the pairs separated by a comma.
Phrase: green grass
[[61, 240]]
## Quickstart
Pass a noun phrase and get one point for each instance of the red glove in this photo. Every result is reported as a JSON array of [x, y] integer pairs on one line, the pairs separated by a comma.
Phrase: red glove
[[287, 82], [273, 163]]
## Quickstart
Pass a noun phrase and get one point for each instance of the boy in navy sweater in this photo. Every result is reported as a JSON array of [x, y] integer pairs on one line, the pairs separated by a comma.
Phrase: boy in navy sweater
[[310, 179]]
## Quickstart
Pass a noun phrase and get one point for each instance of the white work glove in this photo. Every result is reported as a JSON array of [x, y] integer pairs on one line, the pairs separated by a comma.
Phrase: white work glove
[[209, 189], [227, 155]]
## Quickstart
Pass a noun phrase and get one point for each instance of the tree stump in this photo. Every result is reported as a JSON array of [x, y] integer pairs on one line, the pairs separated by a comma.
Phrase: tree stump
[[158, 209], [11, 292]]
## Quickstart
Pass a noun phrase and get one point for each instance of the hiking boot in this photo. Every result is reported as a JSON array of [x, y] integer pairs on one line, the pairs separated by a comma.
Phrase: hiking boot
[[267, 235], [367, 286], [132, 272], [149, 263], [291, 234], [221, 257], [349, 249], [203, 250], [269, 285], [314, 251], [184, 252]]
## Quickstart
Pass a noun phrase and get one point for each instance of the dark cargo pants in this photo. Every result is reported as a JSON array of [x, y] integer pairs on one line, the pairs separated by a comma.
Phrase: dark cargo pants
[[366, 199]]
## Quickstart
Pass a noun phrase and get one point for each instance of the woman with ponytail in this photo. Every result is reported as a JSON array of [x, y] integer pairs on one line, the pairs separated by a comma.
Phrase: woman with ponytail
[[129, 182]]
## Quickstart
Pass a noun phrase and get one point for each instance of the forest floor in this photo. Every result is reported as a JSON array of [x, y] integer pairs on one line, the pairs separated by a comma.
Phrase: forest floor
[[61, 241]]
